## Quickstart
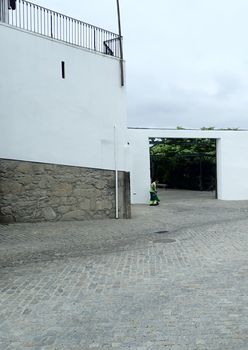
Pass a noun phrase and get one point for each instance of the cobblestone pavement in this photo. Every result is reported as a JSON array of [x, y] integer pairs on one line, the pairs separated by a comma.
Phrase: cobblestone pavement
[[173, 277]]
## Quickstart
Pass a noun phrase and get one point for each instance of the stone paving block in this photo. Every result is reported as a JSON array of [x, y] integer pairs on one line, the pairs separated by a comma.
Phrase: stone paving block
[[120, 285]]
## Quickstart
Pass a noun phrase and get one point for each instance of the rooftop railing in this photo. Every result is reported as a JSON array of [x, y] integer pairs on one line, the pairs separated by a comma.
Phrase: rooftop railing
[[40, 20]]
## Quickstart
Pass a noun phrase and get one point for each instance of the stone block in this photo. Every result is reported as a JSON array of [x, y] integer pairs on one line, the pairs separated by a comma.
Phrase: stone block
[[25, 179], [107, 204], [62, 190], [38, 193], [6, 210], [11, 187], [100, 184], [7, 219], [74, 215], [79, 192], [46, 182], [85, 204], [24, 167], [99, 205], [49, 214], [63, 209]]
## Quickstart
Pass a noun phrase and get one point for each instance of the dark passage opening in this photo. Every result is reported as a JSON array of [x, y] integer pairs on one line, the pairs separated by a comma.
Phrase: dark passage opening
[[184, 163]]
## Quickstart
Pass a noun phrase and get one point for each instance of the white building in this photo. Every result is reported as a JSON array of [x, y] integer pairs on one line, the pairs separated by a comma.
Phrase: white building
[[61, 103]]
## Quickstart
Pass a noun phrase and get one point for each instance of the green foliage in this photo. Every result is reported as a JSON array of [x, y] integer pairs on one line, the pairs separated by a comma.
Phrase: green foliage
[[208, 128], [230, 129], [184, 163], [180, 128], [183, 146]]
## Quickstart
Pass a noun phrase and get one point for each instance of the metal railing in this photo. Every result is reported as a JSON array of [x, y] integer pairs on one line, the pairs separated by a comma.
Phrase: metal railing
[[42, 21]]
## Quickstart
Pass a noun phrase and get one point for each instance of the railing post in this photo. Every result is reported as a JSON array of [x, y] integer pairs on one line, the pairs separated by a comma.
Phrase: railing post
[[94, 39], [4, 13], [51, 24]]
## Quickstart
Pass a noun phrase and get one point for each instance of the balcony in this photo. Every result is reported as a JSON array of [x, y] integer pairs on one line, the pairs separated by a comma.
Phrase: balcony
[[40, 20]]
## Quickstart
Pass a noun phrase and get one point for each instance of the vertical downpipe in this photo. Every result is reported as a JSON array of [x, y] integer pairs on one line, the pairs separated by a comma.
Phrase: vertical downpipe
[[116, 174], [216, 169]]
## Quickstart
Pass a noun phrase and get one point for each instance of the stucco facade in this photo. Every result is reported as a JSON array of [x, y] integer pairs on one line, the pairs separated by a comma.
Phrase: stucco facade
[[64, 121], [232, 160]]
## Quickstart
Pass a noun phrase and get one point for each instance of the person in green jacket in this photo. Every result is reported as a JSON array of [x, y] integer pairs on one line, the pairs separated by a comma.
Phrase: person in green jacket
[[154, 200]]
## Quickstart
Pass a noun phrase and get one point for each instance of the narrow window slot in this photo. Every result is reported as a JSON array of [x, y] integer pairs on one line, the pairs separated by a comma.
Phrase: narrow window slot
[[63, 69]]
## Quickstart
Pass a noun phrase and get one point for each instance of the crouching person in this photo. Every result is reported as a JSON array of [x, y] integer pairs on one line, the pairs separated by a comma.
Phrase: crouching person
[[154, 200]]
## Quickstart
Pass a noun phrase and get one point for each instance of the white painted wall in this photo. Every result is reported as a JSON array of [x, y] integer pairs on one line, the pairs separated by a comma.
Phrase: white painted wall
[[232, 161], [46, 118]]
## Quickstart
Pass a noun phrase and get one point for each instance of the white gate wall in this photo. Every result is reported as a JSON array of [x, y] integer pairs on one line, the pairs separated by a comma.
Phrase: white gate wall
[[232, 160]]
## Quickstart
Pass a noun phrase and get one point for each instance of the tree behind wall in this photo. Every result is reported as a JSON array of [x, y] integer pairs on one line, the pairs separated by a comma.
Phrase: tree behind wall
[[184, 163]]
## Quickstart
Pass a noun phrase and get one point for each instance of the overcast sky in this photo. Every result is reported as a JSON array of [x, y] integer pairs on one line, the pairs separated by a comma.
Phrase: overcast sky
[[187, 60]]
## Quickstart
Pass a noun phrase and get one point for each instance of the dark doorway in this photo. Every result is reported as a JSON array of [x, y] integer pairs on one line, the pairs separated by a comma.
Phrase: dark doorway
[[184, 163]]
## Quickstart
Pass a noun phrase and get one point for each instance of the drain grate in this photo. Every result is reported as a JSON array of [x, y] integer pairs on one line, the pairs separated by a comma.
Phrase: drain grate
[[161, 232]]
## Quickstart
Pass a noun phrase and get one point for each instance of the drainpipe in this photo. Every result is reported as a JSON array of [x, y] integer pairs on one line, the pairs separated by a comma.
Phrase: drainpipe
[[116, 174]]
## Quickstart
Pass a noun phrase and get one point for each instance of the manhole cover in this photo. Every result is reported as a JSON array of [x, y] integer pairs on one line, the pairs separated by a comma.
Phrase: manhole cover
[[164, 240], [161, 232]]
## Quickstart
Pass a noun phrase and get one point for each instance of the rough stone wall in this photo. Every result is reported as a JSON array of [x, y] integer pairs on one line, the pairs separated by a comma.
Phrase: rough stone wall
[[35, 192]]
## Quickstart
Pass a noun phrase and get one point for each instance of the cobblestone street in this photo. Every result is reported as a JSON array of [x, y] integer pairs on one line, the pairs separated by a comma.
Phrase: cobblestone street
[[173, 277]]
